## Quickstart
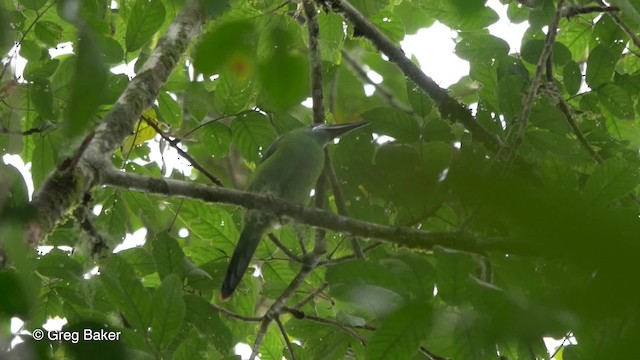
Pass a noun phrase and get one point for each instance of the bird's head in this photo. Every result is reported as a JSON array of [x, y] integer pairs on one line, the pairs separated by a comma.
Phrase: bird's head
[[326, 133]]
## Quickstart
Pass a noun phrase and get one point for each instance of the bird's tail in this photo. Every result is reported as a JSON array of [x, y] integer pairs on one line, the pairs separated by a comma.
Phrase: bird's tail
[[247, 244]]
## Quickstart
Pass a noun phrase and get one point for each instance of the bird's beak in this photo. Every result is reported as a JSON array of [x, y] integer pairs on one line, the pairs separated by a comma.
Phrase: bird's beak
[[336, 131]]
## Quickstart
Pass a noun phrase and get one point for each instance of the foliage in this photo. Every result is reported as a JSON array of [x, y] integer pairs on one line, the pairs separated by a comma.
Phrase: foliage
[[567, 206]]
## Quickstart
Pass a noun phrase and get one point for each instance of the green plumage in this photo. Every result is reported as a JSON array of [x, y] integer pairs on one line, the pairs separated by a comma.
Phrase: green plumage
[[289, 170]]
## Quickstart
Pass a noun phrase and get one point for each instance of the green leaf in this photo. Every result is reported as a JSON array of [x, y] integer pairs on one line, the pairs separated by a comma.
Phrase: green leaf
[[40, 69], [44, 160], [34, 5], [413, 17], [630, 8], [42, 98], [125, 291], [113, 219], [30, 50], [610, 181], [454, 268], [233, 94], [193, 346], [517, 13], [48, 32], [600, 66], [197, 100], [144, 21], [482, 48], [457, 17], [14, 300], [272, 346], [400, 335], [546, 116], [169, 311], [140, 259], [551, 142], [87, 87], [57, 264], [390, 24], [616, 100], [110, 50], [394, 123], [284, 75], [419, 101], [169, 110], [252, 134], [531, 52], [214, 140], [576, 38], [369, 7], [368, 286], [201, 277], [331, 37], [572, 77], [212, 224], [224, 43], [510, 92], [116, 84], [320, 341], [487, 76], [167, 255], [208, 322], [277, 276]]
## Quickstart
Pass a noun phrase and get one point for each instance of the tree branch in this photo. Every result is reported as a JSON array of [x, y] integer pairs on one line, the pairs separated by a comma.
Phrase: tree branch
[[449, 107], [618, 21], [264, 326], [516, 136], [64, 188], [400, 236], [313, 29], [286, 338], [381, 90]]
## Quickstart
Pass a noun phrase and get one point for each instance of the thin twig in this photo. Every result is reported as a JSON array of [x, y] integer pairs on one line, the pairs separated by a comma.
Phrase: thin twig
[[575, 10], [311, 296], [232, 315], [381, 90], [299, 314], [22, 133], [517, 134], [174, 144], [285, 337], [178, 140], [566, 337], [264, 326], [340, 202], [274, 239], [311, 259], [431, 355], [566, 110], [349, 257], [349, 329]]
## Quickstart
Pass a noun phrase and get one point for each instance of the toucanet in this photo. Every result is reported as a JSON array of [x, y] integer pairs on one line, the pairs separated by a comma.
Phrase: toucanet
[[288, 170]]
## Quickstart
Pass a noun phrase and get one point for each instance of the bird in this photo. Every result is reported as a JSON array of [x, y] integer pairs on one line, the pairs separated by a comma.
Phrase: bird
[[288, 170]]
